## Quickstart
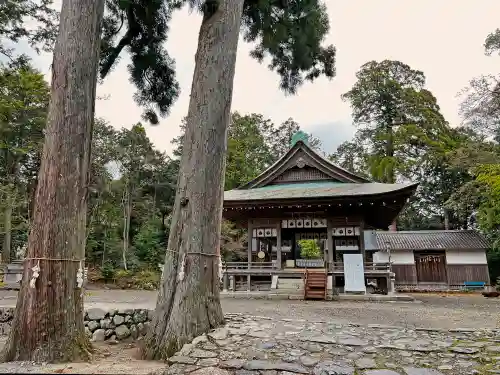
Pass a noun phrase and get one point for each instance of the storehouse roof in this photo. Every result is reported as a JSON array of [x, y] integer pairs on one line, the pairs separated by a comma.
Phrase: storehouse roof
[[425, 240]]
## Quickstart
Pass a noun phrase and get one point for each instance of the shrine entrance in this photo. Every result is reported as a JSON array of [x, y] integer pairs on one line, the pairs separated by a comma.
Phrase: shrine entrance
[[431, 266]]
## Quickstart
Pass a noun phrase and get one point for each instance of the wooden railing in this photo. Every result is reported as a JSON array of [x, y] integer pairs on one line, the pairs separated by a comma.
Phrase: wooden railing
[[369, 266], [244, 265], [337, 266]]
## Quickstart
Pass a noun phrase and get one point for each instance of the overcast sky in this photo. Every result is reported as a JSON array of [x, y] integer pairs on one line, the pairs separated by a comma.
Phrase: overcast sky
[[444, 39]]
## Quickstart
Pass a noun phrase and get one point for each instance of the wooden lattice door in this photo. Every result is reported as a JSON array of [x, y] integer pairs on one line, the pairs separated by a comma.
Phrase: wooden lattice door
[[431, 267]]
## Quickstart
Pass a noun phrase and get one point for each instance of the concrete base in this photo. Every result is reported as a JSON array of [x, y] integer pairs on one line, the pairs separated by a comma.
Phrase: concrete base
[[274, 282], [300, 296]]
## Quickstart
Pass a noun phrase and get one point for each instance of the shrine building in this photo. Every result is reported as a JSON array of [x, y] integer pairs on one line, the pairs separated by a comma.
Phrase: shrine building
[[305, 196]]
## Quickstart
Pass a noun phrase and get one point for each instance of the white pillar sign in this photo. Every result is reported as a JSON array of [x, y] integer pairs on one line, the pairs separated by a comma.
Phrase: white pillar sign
[[354, 273]]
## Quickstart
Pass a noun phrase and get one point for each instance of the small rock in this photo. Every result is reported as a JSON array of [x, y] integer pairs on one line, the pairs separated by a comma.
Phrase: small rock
[[308, 361], [98, 335], [198, 353], [365, 363], [494, 349], [421, 371], [259, 334], [320, 339], [140, 316], [106, 323], [128, 319], [6, 315], [122, 332], [235, 364], [96, 314], [219, 334], [381, 372], [109, 332], [333, 368], [267, 345], [186, 349], [142, 329], [210, 371], [464, 350], [445, 367], [352, 341], [269, 365], [199, 339], [134, 333], [93, 325], [208, 362], [125, 311], [112, 313], [209, 346], [118, 320], [182, 360]]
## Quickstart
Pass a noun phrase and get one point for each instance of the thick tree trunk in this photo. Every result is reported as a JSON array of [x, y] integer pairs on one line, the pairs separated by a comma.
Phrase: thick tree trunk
[[48, 323], [188, 301]]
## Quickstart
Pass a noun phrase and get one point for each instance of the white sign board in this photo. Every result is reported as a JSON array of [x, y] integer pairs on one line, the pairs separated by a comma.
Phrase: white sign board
[[354, 273]]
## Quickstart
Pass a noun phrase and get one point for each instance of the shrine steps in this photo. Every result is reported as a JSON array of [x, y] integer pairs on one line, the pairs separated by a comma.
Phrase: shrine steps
[[315, 284]]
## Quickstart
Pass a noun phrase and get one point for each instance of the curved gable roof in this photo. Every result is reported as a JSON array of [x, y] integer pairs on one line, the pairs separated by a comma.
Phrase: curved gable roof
[[301, 151]]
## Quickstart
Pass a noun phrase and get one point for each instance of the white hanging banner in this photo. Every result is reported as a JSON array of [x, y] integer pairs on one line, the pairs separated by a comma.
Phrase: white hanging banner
[[354, 273]]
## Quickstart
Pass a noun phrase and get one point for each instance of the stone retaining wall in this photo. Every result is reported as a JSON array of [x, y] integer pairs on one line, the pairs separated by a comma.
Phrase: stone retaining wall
[[100, 325]]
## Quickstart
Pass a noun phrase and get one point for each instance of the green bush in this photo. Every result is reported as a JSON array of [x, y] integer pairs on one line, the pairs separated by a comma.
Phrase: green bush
[[309, 249], [144, 279], [108, 273]]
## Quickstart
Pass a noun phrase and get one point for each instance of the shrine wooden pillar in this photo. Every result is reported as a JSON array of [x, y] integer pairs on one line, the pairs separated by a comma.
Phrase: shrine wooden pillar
[[249, 247], [278, 245]]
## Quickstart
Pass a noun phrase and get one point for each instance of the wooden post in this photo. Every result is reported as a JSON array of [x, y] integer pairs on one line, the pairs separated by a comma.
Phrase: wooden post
[[278, 246], [362, 245], [250, 237], [225, 282], [329, 244]]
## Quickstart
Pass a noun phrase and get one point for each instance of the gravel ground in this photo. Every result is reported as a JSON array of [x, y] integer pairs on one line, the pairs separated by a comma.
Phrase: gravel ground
[[432, 311]]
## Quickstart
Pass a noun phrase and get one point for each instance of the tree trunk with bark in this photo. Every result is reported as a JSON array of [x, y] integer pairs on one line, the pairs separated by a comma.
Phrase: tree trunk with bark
[[48, 321], [127, 212], [188, 302]]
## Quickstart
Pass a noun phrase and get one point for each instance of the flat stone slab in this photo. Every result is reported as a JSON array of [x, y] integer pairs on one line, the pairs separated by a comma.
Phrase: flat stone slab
[[269, 365], [422, 371]]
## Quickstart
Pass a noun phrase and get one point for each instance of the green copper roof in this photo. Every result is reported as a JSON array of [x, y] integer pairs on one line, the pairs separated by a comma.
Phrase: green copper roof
[[326, 189], [300, 136]]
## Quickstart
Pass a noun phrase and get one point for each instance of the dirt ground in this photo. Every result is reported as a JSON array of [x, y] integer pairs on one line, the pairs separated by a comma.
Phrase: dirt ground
[[431, 311], [122, 358]]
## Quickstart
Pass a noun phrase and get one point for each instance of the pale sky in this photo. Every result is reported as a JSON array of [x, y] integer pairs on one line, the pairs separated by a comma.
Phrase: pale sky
[[444, 39]]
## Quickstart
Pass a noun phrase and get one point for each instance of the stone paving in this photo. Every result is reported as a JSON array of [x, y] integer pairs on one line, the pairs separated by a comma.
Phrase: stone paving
[[266, 346]]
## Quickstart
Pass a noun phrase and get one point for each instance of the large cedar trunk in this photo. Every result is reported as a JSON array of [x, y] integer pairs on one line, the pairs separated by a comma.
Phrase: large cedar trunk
[[48, 323], [189, 305]]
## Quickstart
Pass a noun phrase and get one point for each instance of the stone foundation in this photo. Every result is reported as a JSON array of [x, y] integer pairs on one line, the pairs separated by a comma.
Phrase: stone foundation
[[112, 325]]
